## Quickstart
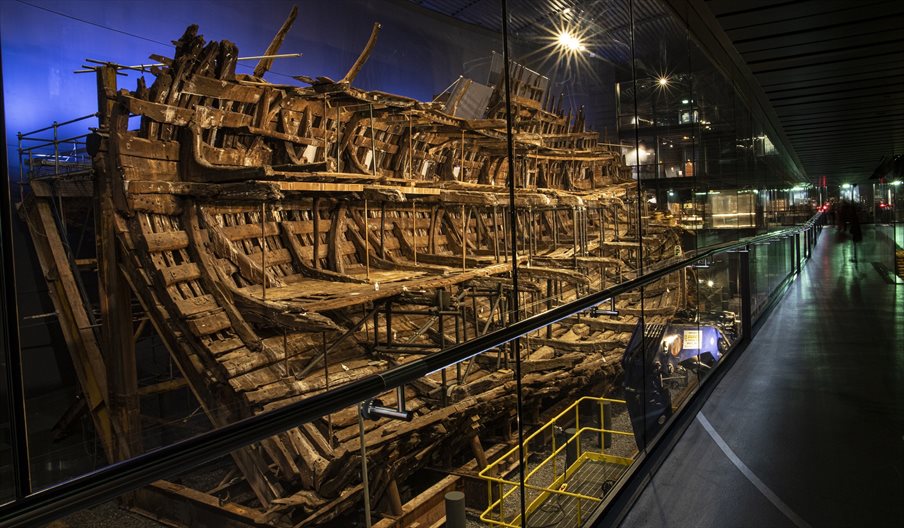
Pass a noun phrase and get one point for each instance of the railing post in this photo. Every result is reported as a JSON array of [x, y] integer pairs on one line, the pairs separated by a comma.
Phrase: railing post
[[809, 234], [606, 410], [797, 252], [455, 509], [571, 450], [56, 149], [21, 169], [745, 291]]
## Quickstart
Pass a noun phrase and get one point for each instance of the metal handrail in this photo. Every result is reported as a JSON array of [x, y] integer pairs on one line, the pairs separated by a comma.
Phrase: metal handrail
[[30, 145], [488, 473], [121, 477], [24, 135], [52, 142]]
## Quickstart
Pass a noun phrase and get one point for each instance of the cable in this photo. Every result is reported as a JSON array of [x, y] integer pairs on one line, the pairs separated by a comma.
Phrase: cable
[[95, 24], [92, 23]]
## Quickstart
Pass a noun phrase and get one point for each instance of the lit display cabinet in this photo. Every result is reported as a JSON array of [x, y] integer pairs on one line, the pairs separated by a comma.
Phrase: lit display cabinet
[[284, 202]]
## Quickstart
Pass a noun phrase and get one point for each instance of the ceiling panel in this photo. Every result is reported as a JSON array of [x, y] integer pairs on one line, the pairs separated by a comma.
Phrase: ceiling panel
[[833, 70]]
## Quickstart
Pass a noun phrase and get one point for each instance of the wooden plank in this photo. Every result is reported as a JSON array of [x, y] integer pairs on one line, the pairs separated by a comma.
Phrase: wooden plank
[[166, 241], [70, 188], [221, 89], [202, 116], [75, 323], [139, 147], [210, 323], [180, 273], [245, 231], [304, 227], [177, 505], [163, 204], [427, 508], [223, 346], [249, 268]]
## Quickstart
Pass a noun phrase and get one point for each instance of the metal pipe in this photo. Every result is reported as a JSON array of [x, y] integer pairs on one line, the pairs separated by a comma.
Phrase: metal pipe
[[316, 218], [367, 244], [338, 139], [745, 293], [414, 229], [375, 410], [56, 149], [464, 238], [455, 509], [382, 230], [400, 398], [143, 67], [263, 253], [510, 152], [364, 478], [410, 154], [64, 123], [373, 141], [461, 162]]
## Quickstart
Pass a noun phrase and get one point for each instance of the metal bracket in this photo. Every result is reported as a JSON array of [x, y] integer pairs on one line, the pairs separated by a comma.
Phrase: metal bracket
[[373, 409]]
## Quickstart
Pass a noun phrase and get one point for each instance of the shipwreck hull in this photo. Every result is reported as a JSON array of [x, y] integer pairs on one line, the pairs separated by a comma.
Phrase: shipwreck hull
[[285, 240]]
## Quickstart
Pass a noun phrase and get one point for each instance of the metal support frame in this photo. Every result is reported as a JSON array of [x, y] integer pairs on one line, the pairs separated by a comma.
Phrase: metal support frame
[[745, 292]]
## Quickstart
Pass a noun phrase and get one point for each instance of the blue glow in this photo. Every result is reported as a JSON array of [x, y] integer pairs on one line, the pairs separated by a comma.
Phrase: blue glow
[[417, 54]]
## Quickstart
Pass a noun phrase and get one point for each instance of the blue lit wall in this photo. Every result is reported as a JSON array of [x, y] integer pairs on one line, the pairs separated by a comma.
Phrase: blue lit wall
[[418, 53]]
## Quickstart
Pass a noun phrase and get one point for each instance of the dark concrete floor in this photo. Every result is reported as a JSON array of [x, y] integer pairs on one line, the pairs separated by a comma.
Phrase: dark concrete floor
[[810, 418]]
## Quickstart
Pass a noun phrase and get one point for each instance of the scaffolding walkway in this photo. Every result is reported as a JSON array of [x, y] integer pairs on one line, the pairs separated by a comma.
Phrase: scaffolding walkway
[[571, 463]]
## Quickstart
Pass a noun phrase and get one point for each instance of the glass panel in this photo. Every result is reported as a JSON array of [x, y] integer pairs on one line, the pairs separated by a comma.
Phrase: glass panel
[[7, 483], [377, 230], [667, 116], [376, 233]]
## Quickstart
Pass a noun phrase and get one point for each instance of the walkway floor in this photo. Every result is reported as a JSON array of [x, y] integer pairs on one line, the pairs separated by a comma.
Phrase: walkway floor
[[807, 429]]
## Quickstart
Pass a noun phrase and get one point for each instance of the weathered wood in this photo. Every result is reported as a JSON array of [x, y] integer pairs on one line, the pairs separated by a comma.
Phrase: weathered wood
[[178, 505], [362, 58], [75, 321], [241, 208], [225, 248], [264, 65], [425, 509]]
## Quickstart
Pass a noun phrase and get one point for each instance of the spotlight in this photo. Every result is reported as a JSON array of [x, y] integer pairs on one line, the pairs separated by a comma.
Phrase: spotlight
[[570, 42], [663, 81]]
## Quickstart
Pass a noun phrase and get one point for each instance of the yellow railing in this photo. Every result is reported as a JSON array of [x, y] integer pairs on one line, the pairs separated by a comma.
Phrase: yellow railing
[[499, 489]]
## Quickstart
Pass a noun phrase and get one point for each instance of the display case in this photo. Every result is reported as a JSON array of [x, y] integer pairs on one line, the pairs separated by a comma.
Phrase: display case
[[284, 201]]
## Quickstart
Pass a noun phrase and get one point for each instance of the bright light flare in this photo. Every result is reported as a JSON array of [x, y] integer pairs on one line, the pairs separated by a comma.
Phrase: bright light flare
[[663, 81], [570, 42]]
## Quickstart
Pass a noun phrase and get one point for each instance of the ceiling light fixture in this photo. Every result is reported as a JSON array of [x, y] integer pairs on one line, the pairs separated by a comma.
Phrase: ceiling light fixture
[[570, 42]]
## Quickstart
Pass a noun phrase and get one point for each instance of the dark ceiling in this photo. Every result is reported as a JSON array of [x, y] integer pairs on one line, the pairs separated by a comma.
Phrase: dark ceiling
[[833, 70], [834, 73]]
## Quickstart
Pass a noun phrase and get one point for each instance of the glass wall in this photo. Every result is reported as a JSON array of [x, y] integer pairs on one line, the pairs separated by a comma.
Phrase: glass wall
[[270, 208]]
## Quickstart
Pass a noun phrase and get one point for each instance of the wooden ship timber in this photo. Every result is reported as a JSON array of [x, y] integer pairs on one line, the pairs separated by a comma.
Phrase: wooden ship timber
[[284, 240]]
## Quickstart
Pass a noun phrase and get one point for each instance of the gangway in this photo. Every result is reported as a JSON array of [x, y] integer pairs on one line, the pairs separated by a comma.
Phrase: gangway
[[580, 457]]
